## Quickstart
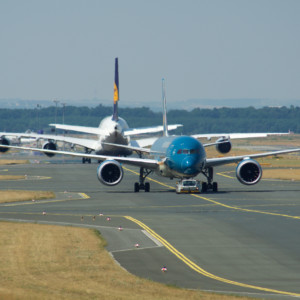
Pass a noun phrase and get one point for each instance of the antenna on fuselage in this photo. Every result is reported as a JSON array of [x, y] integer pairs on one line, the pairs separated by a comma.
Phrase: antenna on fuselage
[[165, 123], [116, 91]]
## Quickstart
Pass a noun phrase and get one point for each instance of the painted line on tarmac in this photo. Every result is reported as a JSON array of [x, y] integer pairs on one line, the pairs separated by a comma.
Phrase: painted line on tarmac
[[237, 208], [227, 176], [245, 209], [151, 179], [198, 269], [64, 224]]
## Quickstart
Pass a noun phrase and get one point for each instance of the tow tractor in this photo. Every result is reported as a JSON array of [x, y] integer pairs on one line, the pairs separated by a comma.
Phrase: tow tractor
[[188, 186]]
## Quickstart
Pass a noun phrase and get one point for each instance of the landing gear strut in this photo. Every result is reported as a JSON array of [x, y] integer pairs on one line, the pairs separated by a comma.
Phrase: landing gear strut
[[209, 185], [85, 159], [142, 185]]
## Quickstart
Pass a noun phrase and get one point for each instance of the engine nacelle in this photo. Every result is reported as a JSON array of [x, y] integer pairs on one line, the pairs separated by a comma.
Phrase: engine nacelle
[[224, 147], [50, 146], [110, 172], [4, 141], [249, 172]]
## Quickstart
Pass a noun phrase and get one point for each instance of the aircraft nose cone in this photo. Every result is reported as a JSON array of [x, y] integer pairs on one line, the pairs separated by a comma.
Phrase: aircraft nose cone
[[188, 165]]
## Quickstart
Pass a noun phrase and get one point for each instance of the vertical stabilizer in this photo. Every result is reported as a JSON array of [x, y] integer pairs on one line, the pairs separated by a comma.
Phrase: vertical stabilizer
[[116, 90], [165, 123]]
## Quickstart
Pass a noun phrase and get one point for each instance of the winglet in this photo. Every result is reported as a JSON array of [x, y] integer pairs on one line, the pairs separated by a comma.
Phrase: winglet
[[165, 123], [116, 90]]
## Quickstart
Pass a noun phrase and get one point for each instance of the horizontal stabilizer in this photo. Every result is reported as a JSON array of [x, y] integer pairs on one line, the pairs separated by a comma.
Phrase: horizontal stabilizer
[[143, 130]]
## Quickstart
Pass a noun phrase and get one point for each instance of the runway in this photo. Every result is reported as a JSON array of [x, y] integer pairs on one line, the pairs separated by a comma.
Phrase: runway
[[242, 240]]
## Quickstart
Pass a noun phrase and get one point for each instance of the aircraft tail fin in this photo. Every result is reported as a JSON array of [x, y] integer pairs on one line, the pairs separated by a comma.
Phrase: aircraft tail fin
[[165, 123], [116, 90]]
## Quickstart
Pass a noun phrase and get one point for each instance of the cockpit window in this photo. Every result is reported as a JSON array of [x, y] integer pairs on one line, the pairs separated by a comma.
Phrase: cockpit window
[[187, 151]]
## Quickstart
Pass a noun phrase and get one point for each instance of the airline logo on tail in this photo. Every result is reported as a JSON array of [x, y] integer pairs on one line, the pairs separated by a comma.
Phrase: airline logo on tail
[[116, 93], [116, 90], [116, 85]]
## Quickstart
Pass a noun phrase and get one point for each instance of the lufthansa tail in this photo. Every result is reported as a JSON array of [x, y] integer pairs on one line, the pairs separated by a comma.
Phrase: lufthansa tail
[[116, 91]]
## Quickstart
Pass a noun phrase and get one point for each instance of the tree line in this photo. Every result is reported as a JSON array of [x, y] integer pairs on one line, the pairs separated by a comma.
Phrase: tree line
[[217, 120]]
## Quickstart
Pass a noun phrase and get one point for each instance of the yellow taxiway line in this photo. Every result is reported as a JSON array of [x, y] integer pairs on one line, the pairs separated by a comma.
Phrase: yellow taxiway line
[[197, 268], [193, 265]]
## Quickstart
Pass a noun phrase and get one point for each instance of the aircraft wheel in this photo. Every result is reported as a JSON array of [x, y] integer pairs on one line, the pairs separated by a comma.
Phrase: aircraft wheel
[[83, 160], [147, 187], [136, 187], [204, 187], [215, 186]]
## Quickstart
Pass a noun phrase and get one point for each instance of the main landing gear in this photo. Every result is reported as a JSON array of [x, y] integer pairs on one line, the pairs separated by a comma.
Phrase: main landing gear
[[209, 185], [142, 185], [85, 159]]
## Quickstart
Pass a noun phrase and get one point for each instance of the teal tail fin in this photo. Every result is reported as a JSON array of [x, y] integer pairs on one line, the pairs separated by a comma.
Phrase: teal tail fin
[[116, 90]]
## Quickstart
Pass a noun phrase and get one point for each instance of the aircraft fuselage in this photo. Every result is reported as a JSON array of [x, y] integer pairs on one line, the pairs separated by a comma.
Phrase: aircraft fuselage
[[184, 156], [115, 135]]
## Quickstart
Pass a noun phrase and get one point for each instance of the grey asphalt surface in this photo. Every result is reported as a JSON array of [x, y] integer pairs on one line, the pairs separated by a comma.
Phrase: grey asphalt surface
[[242, 235]]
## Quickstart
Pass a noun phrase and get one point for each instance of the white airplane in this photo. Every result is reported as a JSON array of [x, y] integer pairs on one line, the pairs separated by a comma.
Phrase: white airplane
[[112, 130], [173, 157]]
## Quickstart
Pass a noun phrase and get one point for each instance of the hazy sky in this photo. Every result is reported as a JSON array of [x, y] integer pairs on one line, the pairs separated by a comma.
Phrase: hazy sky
[[65, 49]]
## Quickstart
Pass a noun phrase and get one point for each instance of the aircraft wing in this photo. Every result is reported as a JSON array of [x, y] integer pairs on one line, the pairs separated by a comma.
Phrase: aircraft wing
[[143, 130], [90, 130], [212, 162], [15, 135], [238, 135], [87, 143], [138, 162], [137, 149], [146, 142]]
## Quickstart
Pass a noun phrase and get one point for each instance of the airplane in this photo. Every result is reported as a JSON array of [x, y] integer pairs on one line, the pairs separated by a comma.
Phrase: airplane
[[112, 130], [173, 157]]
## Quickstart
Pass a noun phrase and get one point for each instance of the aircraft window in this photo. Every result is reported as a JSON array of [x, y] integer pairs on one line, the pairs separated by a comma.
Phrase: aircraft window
[[186, 151], [179, 151]]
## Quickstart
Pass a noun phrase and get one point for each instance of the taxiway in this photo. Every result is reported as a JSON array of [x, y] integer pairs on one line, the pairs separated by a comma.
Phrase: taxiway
[[242, 240]]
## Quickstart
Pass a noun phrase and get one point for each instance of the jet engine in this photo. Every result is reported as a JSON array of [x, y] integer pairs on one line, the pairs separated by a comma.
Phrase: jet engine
[[4, 141], [50, 146], [110, 172], [249, 172], [224, 146]]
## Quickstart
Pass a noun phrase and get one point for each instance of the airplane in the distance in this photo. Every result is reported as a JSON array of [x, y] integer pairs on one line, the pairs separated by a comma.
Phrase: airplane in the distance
[[112, 130], [173, 157]]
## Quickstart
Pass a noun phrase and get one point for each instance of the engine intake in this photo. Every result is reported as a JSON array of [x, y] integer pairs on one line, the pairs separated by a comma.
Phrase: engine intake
[[249, 172], [110, 172], [4, 141], [224, 147], [50, 146]]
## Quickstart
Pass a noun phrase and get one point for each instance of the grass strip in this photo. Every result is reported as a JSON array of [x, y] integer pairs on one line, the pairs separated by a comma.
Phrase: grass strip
[[7, 196], [53, 262]]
